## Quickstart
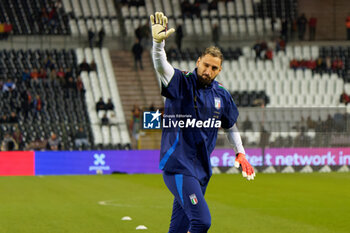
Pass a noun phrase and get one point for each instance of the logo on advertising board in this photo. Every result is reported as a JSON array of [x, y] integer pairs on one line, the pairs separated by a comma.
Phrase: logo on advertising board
[[151, 120], [99, 163]]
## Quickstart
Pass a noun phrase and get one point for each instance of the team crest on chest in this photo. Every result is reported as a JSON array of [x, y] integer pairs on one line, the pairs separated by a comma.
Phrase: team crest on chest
[[217, 101]]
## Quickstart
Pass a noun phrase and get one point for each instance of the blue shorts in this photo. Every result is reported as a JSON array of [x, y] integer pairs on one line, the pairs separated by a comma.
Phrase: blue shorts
[[190, 210]]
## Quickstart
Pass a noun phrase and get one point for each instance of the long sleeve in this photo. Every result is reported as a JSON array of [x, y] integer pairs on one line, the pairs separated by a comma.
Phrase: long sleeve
[[162, 66], [235, 139]]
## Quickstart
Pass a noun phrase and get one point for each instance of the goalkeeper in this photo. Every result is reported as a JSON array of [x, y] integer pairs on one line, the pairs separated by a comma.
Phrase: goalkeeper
[[185, 151]]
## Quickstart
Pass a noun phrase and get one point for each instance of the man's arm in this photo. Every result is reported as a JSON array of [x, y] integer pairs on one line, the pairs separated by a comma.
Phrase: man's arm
[[235, 139], [160, 33], [162, 66]]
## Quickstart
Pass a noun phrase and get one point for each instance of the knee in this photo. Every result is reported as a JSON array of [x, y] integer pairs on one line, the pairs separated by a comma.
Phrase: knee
[[200, 225]]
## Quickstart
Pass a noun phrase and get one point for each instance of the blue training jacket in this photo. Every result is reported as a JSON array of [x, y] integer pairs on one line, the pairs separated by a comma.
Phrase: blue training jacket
[[186, 150]]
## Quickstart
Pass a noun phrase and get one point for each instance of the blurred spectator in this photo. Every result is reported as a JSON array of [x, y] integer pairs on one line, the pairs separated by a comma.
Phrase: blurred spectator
[[268, 54], [344, 98], [152, 108], [137, 50], [302, 21], [17, 136], [146, 34], [178, 36], [280, 45], [25, 75], [26, 101], [320, 64], [311, 64], [136, 121], [294, 64], [113, 118], [100, 105], [328, 124], [105, 120], [310, 123], [215, 34], [84, 66], [328, 63], [213, 5], [263, 45], [5, 30], [80, 85], [81, 138], [53, 16], [71, 84], [93, 66], [312, 28], [301, 140], [13, 118], [91, 36], [54, 143], [68, 74], [44, 16], [347, 24], [37, 104], [196, 10], [284, 29], [293, 28], [101, 36], [337, 64], [171, 53], [138, 33], [61, 77], [273, 22], [257, 49], [42, 73], [49, 64], [8, 143], [4, 119], [301, 125], [53, 75], [9, 85], [58, 5], [109, 105], [60, 73], [264, 139], [247, 125], [34, 75], [38, 144], [186, 8]]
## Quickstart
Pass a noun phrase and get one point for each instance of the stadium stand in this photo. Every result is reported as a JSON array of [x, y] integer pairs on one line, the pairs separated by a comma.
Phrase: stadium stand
[[236, 18], [92, 14], [103, 84], [62, 108], [34, 17]]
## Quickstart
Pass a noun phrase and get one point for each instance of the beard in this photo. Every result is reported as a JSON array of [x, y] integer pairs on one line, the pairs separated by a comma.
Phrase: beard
[[204, 80]]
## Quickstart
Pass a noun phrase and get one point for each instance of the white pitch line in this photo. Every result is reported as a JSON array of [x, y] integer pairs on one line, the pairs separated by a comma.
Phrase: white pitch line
[[109, 203], [115, 203]]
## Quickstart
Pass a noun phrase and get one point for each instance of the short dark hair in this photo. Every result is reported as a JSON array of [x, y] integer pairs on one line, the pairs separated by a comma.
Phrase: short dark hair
[[213, 51]]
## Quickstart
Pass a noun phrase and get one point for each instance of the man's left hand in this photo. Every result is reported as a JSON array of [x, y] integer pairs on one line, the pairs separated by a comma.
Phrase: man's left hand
[[247, 169]]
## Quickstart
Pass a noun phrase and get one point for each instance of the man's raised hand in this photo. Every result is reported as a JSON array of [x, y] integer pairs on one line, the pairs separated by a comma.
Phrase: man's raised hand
[[159, 24]]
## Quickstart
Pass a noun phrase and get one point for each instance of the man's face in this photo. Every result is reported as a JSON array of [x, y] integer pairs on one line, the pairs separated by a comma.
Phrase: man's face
[[208, 67]]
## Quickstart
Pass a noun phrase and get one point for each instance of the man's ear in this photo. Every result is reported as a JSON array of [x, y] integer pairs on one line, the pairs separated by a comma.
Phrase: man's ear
[[197, 63]]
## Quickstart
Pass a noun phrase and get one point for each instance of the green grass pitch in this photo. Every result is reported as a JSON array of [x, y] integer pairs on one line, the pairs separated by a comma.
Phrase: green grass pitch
[[282, 203]]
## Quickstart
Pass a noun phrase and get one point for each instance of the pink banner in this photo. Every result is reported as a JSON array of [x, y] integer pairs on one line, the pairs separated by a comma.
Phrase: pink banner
[[285, 157]]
